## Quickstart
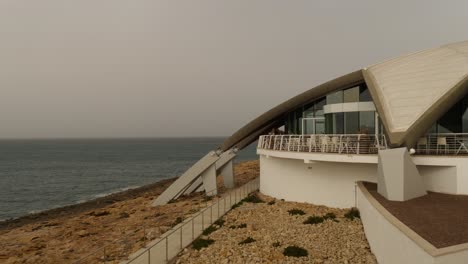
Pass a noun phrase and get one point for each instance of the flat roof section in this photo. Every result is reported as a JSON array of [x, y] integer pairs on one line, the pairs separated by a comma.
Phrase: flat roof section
[[441, 219]]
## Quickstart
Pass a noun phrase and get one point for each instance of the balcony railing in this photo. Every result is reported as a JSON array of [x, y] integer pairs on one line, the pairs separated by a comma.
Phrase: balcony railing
[[443, 144], [340, 144]]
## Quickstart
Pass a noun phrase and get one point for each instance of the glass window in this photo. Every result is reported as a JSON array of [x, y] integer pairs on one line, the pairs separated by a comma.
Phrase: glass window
[[319, 107], [451, 122], [367, 122], [334, 123], [351, 122], [351, 95], [335, 98], [465, 115], [364, 94], [309, 110]]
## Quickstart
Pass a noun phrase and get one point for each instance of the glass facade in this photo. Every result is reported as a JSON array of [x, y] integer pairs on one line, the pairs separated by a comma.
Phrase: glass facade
[[454, 121], [310, 119]]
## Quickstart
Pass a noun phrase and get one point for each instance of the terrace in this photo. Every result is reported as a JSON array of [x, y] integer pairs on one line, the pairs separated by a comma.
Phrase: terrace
[[359, 144]]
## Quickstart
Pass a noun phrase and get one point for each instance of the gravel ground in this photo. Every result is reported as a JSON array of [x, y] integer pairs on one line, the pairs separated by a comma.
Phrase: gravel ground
[[124, 222], [271, 226]]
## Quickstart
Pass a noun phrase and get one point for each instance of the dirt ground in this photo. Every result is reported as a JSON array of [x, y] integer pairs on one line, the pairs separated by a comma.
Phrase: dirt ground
[[108, 228]]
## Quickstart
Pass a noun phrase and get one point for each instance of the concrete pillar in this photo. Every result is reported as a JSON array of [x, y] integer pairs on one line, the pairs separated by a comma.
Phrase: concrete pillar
[[227, 171], [197, 186], [398, 178], [209, 181]]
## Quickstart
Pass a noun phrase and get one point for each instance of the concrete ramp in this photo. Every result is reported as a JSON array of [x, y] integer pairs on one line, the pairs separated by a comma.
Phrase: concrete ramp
[[201, 176]]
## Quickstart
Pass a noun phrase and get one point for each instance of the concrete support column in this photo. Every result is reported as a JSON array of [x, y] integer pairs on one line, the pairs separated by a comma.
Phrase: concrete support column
[[398, 178], [227, 171], [209, 181]]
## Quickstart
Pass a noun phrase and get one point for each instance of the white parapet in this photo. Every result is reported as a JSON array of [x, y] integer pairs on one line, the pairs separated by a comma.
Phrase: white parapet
[[392, 242]]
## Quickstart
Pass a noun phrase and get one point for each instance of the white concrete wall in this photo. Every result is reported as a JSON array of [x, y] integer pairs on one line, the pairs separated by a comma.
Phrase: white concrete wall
[[440, 173], [322, 183], [393, 243]]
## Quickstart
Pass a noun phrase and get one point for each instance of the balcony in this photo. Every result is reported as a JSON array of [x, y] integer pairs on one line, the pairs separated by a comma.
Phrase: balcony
[[339, 144], [443, 144]]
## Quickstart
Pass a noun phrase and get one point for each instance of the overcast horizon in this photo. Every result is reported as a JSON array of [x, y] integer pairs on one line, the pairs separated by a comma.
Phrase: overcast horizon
[[152, 69]]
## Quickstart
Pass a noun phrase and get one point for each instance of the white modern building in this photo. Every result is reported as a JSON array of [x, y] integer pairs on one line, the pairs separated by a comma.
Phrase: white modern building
[[402, 124]]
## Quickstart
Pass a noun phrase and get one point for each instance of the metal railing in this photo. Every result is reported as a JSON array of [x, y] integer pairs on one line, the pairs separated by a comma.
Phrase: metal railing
[[443, 144], [332, 143], [168, 246]]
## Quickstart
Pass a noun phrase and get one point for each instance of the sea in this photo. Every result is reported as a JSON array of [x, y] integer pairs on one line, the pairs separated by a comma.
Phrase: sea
[[37, 175]]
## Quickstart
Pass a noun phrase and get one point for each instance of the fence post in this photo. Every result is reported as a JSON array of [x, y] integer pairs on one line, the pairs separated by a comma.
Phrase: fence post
[[167, 250], [182, 227], [149, 255], [193, 229]]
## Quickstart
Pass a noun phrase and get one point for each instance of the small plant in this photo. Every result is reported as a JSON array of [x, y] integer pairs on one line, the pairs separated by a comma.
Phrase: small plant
[[329, 216], [207, 198], [272, 202], [276, 244], [313, 220], [200, 243], [296, 212], [293, 251], [177, 221], [252, 199], [237, 205], [219, 222], [247, 241], [353, 213], [209, 230], [238, 226]]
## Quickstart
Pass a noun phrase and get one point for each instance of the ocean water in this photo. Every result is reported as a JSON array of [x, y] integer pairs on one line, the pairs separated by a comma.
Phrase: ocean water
[[36, 175]]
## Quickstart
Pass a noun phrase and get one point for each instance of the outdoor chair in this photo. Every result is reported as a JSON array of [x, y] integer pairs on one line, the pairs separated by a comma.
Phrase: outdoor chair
[[442, 143], [422, 142], [335, 144], [312, 143], [324, 143]]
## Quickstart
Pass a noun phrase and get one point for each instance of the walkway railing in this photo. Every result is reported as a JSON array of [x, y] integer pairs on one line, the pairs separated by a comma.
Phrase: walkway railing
[[340, 144], [171, 243], [443, 144]]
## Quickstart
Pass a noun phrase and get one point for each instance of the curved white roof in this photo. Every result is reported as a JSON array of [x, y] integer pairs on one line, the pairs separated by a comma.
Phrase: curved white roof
[[407, 87]]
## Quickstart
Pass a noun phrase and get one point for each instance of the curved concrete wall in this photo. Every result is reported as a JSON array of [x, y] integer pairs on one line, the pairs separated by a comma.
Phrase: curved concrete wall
[[321, 183], [393, 242]]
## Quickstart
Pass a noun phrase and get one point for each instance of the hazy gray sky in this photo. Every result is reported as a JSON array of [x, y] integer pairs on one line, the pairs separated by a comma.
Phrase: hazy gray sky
[[121, 68]]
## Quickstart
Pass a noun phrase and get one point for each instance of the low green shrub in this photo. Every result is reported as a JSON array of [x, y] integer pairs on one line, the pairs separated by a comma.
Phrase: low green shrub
[[177, 221], [247, 241], [209, 230], [294, 251], [271, 202], [353, 213], [237, 205], [200, 243], [219, 222], [276, 244], [329, 216], [313, 220], [296, 212], [238, 226], [252, 199]]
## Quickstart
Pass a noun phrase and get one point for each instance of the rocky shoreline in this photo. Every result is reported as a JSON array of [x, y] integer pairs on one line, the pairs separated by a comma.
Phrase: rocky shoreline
[[107, 228]]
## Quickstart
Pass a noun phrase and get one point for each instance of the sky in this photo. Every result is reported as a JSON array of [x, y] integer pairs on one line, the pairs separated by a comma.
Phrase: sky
[[153, 68]]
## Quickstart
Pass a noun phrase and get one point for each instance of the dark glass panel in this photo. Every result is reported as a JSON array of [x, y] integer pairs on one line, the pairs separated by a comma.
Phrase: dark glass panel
[[364, 94], [351, 95], [367, 122], [319, 107], [351, 123], [335, 98]]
